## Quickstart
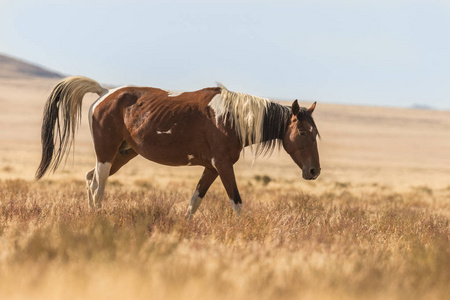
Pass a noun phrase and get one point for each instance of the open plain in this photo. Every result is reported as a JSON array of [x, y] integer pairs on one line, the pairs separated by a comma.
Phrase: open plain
[[374, 225]]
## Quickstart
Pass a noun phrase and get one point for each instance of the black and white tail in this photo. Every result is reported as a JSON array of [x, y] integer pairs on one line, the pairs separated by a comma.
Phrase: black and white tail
[[62, 116]]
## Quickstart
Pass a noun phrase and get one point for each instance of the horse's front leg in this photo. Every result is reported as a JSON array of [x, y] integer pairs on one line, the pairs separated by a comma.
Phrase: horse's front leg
[[226, 173], [208, 177]]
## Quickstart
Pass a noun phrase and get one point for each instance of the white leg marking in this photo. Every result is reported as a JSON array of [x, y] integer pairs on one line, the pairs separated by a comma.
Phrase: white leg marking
[[89, 177], [195, 203], [236, 207], [217, 106], [99, 182]]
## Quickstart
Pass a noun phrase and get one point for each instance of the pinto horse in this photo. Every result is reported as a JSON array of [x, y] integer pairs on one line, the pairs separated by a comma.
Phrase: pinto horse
[[209, 127]]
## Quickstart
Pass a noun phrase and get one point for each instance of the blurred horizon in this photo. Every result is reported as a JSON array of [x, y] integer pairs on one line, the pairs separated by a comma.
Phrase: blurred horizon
[[372, 53]]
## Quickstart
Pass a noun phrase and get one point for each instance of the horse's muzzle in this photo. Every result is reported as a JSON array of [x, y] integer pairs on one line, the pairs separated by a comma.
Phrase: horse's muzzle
[[311, 173]]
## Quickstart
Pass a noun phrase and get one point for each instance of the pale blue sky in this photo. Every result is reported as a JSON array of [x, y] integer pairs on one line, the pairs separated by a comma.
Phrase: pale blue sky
[[393, 53]]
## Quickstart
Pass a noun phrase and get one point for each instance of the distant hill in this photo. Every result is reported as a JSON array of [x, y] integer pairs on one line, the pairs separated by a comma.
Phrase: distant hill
[[422, 107], [14, 68]]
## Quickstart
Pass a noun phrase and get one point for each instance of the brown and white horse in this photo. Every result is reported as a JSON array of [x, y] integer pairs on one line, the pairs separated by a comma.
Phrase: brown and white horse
[[208, 127]]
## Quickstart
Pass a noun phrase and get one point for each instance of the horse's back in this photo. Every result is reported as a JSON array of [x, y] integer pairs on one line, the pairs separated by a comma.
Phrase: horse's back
[[160, 108]]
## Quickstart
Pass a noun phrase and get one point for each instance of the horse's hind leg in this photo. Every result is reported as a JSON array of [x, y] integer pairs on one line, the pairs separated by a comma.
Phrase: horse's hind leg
[[208, 177], [89, 177], [96, 178], [122, 157], [107, 140]]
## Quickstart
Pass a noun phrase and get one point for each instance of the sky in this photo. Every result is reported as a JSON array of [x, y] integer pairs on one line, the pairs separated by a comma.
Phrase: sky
[[381, 53]]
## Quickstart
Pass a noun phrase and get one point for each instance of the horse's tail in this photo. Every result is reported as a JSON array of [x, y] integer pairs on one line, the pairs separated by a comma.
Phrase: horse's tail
[[62, 116]]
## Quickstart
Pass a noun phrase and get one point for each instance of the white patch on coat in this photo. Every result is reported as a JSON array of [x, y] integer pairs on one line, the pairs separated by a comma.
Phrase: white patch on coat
[[173, 93], [213, 163], [217, 106], [165, 132]]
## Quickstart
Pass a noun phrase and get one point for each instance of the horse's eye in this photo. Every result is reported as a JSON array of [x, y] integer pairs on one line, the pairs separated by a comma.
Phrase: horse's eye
[[302, 133]]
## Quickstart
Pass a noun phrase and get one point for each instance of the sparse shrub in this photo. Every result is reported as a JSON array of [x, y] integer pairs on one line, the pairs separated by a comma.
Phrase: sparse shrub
[[265, 180], [142, 183], [342, 185], [424, 189], [7, 169], [17, 185], [115, 183]]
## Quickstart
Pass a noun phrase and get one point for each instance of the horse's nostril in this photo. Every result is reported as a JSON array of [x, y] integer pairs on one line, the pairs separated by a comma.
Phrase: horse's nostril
[[313, 171]]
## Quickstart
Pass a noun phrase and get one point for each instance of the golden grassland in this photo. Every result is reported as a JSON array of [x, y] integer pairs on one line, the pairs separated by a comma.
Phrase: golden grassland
[[286, 245], [374, 225]]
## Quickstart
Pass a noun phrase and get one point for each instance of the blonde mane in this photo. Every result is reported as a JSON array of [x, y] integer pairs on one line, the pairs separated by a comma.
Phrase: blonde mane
[[246, 115]]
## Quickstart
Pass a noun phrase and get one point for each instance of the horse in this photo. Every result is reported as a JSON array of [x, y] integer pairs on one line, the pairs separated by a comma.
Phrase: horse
[[208, 127]]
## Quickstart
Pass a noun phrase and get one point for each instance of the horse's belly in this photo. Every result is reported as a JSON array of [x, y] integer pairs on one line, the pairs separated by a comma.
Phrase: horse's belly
[[176, 141], [173, 152], [167, 157], [170, 158]]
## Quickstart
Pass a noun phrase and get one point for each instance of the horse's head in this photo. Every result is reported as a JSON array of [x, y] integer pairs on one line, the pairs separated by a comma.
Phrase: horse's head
[[300, 141]]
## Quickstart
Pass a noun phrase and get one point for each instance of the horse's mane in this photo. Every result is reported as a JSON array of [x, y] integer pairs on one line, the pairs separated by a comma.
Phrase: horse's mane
[[257, 121]]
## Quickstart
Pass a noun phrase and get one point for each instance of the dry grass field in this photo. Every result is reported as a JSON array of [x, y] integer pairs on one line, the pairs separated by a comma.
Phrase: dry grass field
[[374, 225]]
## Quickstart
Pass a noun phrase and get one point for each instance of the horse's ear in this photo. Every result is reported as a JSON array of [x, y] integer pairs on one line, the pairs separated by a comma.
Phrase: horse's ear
[[295, 108], [312, 108]]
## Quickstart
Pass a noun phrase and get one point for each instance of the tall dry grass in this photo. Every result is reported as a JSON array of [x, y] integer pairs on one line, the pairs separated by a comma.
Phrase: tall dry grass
[[286, 245]]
